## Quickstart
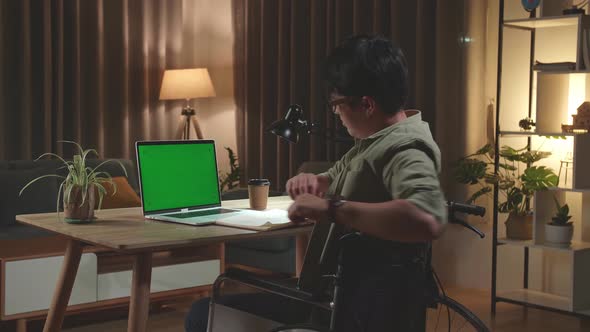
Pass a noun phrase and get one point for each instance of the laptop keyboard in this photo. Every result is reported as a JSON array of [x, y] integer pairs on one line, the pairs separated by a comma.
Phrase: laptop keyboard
[[192, 214]]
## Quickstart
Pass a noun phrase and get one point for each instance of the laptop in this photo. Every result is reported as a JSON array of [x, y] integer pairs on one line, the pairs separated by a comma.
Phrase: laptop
[[179, 183]]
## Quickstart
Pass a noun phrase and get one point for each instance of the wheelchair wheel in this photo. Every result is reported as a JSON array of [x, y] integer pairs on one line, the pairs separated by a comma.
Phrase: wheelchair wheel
[[297, 328], [457, 318]]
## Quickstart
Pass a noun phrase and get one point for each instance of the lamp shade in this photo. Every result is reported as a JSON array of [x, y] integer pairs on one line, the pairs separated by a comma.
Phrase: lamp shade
[[290, 127], [186, 84]]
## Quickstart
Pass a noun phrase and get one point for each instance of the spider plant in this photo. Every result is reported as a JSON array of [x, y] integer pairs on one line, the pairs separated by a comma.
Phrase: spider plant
[[80, 178]]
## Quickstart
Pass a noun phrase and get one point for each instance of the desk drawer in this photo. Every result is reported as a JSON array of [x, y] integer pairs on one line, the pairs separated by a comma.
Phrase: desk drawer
[[29, 284], [118, 284]]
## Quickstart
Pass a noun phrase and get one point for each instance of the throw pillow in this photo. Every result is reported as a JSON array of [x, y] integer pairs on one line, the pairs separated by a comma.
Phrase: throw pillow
[[124, 197]]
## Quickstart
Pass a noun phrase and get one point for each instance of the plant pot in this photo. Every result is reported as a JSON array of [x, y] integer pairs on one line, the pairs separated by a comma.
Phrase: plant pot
[[519, 227], [558, 234], [74, 211]]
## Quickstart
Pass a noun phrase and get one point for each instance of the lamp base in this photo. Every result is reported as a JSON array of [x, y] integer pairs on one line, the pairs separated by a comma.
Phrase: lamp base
[[184, 127]]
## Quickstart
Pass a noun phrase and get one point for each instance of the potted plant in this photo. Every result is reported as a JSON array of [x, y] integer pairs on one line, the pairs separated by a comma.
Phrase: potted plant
[[560, 230], [517, 179], [80, 187], [231, 179]]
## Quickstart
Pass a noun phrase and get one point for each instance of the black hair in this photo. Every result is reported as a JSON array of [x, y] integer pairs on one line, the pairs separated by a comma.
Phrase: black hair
[[366, 65]]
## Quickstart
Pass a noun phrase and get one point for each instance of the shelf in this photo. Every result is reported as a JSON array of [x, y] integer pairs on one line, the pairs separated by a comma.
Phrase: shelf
[[534, 133], [574, 246], [577, 190], [538, 298], [583, 312], [544, 22], [582, 71]]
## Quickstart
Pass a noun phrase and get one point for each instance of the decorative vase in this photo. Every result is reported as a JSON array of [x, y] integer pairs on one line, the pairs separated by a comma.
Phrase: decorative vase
[[557, 234], [519, 227], [74, 211]]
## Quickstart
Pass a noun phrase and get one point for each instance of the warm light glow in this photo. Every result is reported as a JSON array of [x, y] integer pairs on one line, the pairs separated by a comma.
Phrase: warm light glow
[[577, 95], [186, 84]]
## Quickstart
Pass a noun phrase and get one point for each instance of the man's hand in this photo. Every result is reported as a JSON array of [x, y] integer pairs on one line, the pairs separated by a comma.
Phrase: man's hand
[[306, 183], [308, 206]]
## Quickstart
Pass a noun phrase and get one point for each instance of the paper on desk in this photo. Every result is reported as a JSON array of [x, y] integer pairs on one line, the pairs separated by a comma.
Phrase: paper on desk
[[258, 218]]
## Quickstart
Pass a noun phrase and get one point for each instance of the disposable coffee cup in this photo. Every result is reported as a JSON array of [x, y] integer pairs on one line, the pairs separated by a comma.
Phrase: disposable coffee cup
[[258, 193]]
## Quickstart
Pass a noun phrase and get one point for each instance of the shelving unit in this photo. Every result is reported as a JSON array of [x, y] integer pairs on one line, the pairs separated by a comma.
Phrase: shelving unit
[[555, 278]]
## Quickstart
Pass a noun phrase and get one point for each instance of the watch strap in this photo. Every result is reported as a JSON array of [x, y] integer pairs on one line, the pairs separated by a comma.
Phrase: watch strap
[[334, 202]]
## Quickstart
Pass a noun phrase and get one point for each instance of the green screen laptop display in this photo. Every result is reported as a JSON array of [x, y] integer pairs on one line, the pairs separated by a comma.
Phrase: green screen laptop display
[[177, 175]]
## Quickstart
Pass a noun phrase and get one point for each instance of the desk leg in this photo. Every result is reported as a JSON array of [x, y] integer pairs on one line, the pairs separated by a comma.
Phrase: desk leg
[[301, 241], [140, 293], [63, 290]]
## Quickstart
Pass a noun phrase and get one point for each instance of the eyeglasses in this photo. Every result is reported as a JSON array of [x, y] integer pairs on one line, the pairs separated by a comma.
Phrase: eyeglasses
[[333, 104]]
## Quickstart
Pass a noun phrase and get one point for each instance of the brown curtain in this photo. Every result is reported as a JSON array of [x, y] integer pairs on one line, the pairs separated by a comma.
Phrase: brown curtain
[[87, 71], [279, 49]]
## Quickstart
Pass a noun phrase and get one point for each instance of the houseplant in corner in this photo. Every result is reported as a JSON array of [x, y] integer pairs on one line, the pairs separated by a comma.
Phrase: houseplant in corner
[[80, 186], [517, 179], [560, 231], [231, 179]]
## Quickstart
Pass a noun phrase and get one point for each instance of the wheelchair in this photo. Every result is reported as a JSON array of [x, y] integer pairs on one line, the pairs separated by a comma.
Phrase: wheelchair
[[458, 316]]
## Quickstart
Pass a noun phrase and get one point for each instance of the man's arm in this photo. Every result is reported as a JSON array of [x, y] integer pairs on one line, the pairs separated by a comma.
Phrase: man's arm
[[397, 220], [417, 213], [307, 183]]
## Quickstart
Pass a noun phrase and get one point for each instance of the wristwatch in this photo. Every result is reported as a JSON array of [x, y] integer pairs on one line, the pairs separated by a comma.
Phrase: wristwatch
[[333, 203]]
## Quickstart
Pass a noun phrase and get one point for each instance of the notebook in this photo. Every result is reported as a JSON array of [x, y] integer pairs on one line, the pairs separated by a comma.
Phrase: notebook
[[258, 220], [179, 182]]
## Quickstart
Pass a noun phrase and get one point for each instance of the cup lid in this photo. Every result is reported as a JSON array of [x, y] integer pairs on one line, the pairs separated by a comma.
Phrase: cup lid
[[259, 182]]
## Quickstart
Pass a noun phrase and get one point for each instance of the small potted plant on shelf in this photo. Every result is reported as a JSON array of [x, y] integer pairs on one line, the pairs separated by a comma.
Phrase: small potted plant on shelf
[[80, 186], [517, 179], [560, 231]]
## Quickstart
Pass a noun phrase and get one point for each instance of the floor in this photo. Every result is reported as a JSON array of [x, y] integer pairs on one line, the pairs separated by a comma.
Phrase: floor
[[509, 318]]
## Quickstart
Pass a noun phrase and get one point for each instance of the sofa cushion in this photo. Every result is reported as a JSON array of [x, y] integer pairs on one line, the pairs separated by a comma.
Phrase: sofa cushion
[[123, 197], [40, 197], [114, 169], [21, 231], [273, 244]]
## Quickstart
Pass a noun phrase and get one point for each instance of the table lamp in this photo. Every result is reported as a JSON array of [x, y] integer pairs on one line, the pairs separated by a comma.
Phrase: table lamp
[[187, 84], [293, 124]]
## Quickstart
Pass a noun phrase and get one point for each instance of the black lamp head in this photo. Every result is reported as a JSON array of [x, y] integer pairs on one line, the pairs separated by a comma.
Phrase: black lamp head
[[292, 125]]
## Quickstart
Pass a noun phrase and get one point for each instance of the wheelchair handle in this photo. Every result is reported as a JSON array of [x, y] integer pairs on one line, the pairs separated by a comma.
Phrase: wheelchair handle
[[476, 210]]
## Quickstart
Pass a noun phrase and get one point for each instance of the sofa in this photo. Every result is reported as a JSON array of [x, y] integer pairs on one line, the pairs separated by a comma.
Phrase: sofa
[[274, 254], [32, 256], [42, 195]]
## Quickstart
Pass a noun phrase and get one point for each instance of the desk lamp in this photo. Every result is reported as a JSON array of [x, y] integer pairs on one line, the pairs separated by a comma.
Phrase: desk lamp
[[187, 84], [292, 125]]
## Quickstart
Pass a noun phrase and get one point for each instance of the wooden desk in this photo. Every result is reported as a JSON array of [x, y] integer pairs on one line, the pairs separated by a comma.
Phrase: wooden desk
[[125, 230]]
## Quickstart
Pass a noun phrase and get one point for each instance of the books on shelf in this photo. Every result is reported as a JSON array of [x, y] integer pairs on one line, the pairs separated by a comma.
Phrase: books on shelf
[[258, 220], [584, 58], [554, 66]]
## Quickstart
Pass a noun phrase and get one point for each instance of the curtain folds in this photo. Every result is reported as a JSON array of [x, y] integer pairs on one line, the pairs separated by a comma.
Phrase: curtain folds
[[87, 71], [278, 52]]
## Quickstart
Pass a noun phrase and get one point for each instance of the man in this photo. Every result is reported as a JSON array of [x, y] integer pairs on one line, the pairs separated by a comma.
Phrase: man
[[386, 187], [388, 183]]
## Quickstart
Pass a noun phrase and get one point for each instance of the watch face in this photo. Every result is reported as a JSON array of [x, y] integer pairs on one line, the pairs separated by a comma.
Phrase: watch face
[[530, 5]]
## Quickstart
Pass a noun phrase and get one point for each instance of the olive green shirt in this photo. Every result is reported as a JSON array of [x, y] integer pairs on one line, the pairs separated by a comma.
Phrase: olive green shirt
[[401, 161]]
